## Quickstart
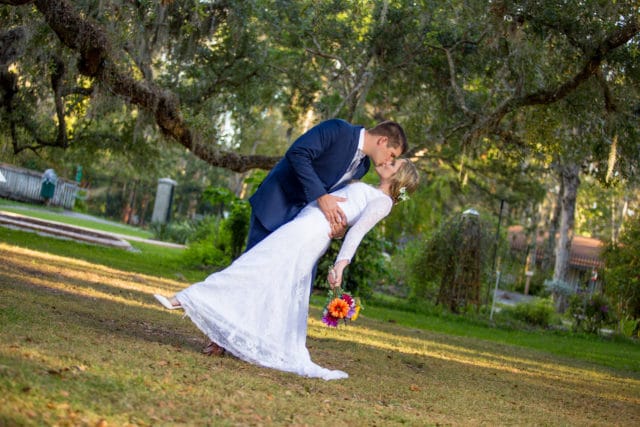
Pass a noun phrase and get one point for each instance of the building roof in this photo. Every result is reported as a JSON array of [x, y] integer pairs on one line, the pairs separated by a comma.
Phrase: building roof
[[585, 251]]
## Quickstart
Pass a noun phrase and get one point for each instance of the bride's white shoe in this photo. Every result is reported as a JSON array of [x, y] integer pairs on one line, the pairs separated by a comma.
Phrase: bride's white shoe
[[166, 303]]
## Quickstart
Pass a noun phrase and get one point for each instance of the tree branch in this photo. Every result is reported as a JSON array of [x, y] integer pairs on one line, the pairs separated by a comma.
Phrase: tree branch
[[15, 2], [591, 66], [548, 96], [609, 103], [456, 89], [84, 91], [57, 74], [90, 41]]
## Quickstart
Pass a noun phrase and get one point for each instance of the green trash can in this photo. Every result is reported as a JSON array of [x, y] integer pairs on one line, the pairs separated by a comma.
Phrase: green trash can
[[47, 190], [48, 187]]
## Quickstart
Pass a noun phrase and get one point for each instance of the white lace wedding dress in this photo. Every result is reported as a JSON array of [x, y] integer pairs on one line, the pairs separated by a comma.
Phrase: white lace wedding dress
[[257, 308]]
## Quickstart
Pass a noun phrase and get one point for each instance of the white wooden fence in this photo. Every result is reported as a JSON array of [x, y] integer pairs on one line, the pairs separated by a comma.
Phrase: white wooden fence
[[25, 185]]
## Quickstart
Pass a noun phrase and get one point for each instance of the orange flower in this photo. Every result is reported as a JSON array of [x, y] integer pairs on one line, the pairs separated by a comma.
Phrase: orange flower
[[338, 308]]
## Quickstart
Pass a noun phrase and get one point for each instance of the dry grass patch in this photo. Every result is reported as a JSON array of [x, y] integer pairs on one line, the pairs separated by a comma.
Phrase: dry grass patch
[[83, 343]]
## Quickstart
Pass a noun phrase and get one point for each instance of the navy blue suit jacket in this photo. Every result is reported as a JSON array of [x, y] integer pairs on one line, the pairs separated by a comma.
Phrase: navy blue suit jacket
[[310, 168]]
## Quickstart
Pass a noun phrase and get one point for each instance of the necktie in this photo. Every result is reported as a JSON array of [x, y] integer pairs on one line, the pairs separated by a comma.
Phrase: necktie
[[351, 169], [354, 164]]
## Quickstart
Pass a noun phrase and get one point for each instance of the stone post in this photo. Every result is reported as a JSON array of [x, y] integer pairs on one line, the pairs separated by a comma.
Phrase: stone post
[[164, 201]]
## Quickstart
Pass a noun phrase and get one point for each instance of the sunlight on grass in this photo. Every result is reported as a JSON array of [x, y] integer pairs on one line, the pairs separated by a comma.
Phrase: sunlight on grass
[[84, 342], [88, 280], [78, 270], [526, 366]]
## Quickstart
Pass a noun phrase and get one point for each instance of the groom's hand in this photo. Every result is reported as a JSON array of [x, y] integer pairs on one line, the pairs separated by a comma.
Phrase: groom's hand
[[328, 204]]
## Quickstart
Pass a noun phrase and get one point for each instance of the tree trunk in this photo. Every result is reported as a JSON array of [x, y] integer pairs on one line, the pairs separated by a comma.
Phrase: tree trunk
[[554, 223], [532, 251], [144, 205], [570, 176]]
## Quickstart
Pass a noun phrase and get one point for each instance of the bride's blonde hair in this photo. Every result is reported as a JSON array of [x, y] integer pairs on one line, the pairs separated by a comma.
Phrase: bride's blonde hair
[[404, 182]]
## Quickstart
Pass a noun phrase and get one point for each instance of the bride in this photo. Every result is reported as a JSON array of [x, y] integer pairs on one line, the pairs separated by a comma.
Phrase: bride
[[257, 308]]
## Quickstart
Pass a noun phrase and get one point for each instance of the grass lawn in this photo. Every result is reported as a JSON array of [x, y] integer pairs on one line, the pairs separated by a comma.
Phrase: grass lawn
[[621, 354], [84, 343]]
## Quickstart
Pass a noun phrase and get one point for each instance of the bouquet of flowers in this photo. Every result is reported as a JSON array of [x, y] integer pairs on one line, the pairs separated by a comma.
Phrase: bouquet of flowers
[[340, 306]]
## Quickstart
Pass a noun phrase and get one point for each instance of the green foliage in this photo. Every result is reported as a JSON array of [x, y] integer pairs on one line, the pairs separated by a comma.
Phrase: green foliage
[[368, 268], [408, 264], [539, 312], [590, 312], [536, 282], [457, 256], [596, 206], [209, 246], [561, 291], [218, 195], [236, 226], [175, 231], [216, 242], [622, 272]]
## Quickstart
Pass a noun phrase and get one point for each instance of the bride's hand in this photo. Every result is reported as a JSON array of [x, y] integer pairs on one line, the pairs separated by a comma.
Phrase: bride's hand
[[335, 274], [332, 278], [338, 231]]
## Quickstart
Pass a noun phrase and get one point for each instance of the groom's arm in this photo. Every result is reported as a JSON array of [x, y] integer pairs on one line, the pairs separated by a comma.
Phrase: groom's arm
[[311, 145]]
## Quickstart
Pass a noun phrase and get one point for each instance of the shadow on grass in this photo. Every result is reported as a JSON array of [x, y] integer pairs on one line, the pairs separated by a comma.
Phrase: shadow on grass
[[60, 314]]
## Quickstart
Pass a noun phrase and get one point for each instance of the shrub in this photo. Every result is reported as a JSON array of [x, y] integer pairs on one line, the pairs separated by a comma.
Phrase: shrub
[[205, 255], [368, 267], [208, 246], [420, 279], [218, 241], [177, 232], [590, 313], [622, 276], [538, 313], [236, 226], [456, 256], [536, 285]]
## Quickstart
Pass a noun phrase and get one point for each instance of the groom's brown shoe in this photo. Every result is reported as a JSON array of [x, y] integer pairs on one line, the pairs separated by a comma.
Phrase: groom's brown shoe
[[213, 349]]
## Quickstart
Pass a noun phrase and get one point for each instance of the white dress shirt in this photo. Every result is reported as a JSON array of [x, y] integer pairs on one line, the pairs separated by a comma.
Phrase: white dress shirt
[[357, 158]]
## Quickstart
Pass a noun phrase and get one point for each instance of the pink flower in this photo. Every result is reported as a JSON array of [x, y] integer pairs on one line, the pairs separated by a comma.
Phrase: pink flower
[[347, 298], [329, 320]]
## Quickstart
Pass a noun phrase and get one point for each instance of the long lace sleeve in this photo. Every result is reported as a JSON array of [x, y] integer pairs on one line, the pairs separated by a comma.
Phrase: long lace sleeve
[[375, 211]]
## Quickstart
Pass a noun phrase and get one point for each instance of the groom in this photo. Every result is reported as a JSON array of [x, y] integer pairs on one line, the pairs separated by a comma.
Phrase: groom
[[322, 160]]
